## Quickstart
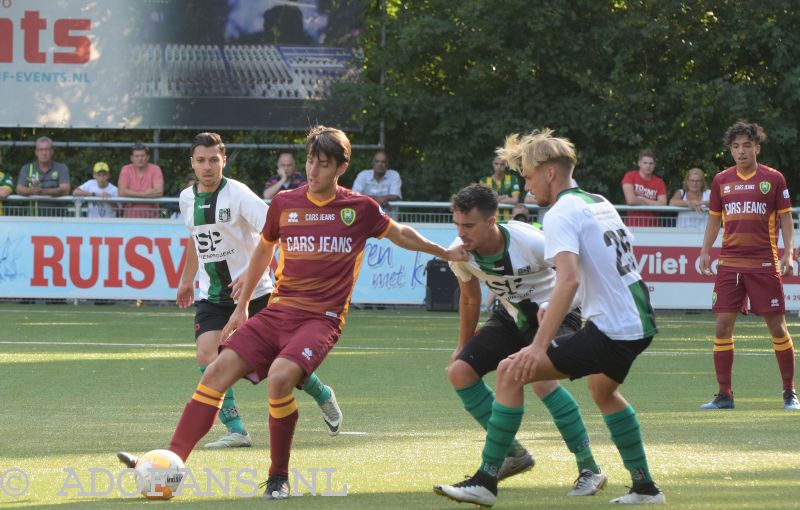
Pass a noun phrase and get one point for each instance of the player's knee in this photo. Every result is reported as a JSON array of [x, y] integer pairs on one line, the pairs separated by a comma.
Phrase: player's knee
[[283, 376], [544, 388], [206, 356], [461, 374]]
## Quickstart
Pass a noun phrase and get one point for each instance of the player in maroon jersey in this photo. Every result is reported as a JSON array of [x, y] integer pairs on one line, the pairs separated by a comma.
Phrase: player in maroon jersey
[[752, 202], [322, 230]]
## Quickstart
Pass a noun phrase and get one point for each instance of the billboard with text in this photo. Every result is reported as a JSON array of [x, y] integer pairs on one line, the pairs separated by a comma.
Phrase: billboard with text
[[77, 258], [250, 64]]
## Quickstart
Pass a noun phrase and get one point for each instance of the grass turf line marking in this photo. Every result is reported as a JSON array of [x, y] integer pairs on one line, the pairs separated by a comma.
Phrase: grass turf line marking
[[353, 348]]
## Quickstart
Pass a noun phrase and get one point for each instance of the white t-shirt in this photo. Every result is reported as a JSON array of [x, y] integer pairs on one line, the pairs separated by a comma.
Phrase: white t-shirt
[[692, 218], [226, 227], [100, 209], [611, 291], [390, 184], [519, 273]]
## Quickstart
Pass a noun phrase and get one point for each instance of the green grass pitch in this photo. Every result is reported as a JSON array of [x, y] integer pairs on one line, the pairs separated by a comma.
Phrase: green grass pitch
[[79, 383]]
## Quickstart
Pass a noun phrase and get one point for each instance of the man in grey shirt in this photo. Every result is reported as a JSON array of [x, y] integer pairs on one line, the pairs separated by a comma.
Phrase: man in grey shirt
[[45, 178]]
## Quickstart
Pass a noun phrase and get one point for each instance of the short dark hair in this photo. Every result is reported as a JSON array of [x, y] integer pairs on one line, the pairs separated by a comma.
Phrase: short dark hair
[[207, 140], [752, 131], [475, 196], [647, 152], [330, 141], [139, 147]]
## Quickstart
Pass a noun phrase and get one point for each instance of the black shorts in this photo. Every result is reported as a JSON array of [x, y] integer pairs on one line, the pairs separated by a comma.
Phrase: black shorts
[[590, 351], [500, 337], [213, 317]]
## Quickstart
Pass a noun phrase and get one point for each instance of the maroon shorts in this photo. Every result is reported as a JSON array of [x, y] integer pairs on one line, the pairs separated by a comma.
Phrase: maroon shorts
[[279, 332], [765, 291]]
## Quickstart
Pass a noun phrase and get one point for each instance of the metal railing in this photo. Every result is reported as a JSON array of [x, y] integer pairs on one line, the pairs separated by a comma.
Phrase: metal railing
[[403, 211]]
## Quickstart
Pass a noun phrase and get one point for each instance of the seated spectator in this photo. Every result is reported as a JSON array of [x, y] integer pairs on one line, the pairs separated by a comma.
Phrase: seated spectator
[[506, 185], [99, 187], [6, 185], [44, 177], [285, 176], [695, 196], [379, 182], [643, 187], [141, 179]]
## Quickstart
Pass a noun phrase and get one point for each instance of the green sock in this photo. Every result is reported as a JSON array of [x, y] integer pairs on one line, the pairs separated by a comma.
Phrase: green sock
[[500, 431], [229, 414], [627, 437], [567, 417], [316, 389], [477, 400]]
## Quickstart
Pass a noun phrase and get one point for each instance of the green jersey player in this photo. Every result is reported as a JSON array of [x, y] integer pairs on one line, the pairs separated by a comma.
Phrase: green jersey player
[[591, 249], [509, 259]]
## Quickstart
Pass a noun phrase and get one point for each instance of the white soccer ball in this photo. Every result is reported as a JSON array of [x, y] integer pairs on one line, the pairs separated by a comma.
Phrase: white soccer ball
[[159, 474]]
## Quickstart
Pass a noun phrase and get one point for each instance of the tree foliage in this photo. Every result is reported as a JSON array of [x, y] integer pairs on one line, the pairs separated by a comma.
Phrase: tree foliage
[[615, 76]]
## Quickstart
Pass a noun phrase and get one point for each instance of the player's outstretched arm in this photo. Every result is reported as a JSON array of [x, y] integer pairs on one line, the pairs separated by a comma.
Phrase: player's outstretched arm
[[185, 296], [408, 238]]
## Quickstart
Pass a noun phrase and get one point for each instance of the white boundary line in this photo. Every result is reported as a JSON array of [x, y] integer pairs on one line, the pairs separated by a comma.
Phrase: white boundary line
[[355, 348]]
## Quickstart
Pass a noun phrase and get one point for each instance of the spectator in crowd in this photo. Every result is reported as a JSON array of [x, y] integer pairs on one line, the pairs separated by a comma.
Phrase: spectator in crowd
[[521, 213], [694, 195], [286, 177], [99, 186], [379, 182], [505, 184], [6, 185], [44, 177], [141, 179], [643, 187]]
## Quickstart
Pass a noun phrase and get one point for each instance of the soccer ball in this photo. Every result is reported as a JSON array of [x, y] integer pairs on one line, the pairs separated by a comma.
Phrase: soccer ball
[[159, 473]]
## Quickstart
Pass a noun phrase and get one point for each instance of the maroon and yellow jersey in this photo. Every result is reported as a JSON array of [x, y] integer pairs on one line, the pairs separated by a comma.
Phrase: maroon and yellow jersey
[[321, 245], [750, 209]]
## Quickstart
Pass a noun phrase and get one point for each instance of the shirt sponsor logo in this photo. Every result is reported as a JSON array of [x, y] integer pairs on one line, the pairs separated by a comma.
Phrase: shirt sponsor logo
[[307, 353], [746, 208], [348, 216], [766, 264], [224, 215], [320, 217], [325, 244], [740, 187], [293, 217], [332, 314]]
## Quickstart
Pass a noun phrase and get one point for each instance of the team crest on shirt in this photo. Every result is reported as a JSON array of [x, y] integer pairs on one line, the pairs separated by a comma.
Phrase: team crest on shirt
[[713, 298], [764, 186], [224, 215], [348, 216]]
